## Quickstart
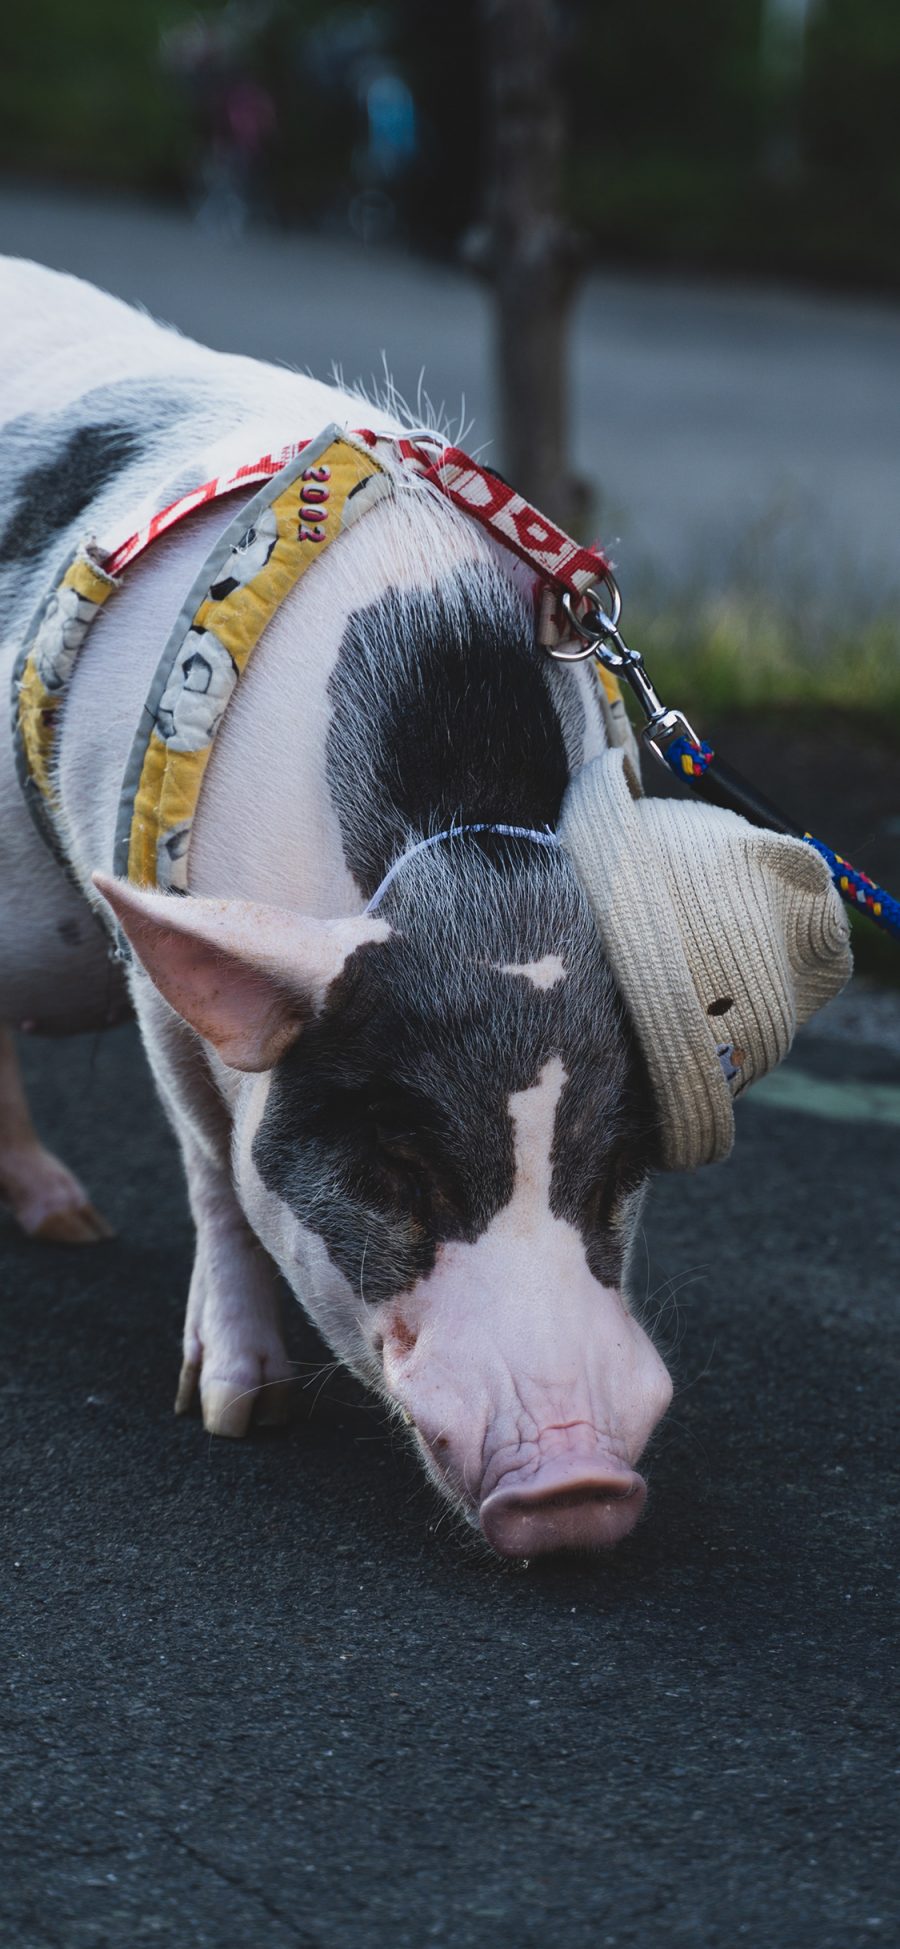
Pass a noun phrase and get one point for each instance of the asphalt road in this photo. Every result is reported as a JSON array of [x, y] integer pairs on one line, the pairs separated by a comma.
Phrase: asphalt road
[[261, 1693], [726, 429]]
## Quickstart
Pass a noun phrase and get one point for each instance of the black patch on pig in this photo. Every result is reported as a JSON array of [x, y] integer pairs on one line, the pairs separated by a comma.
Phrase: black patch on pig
[[54, 493], [70, 932], [387, 1127], [441, 715], [55, 466]]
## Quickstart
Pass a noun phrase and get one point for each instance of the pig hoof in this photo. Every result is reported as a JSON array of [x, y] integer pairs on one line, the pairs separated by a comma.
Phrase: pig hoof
[[229, 1411], [45, 1199], [80, 1225], [187, 1386], [228, 1407]]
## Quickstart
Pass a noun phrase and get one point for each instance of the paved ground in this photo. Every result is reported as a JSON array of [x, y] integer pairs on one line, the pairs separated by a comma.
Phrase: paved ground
[[261, 1693], [705, 412]]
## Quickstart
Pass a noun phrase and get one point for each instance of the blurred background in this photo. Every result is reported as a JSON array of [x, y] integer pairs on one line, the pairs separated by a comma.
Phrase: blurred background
[[758, 137], [646, 260]]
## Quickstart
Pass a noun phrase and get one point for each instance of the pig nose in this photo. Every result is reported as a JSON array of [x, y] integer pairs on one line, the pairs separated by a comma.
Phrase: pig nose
[[566, 1505]]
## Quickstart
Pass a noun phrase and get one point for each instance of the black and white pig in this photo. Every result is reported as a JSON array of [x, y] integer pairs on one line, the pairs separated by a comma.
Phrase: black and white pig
[[435, 1118]]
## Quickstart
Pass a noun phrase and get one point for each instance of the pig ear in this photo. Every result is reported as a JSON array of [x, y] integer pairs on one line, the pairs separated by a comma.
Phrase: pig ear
[[246, 977]]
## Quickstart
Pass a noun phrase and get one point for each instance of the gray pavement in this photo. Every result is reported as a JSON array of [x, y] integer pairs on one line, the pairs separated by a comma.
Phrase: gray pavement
[[714, 421], [263, 1692]]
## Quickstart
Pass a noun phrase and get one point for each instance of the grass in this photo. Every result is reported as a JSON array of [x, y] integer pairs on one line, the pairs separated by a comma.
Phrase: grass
[[788, 622], [738, 652]]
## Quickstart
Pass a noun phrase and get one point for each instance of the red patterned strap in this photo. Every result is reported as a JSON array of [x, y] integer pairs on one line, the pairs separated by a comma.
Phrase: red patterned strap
[[561, 564], [211, 490], [553, 555]]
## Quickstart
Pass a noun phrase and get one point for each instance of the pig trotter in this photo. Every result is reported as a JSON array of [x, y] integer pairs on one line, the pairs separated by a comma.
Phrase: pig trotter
[[43, 1196], [228, 1408], [46, 1201], [77, 1224], [187, 1387], [234, 1364], [226, 1412]]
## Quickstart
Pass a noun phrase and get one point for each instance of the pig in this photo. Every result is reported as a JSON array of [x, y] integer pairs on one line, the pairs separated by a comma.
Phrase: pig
[[400, 1074]]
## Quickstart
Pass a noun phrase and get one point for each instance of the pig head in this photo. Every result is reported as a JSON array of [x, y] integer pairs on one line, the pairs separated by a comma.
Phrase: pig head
[[442, 1132], [531, 1387]]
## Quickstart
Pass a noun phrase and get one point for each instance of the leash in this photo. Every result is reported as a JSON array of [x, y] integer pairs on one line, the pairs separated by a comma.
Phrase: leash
[[675, 743], [569, 575]]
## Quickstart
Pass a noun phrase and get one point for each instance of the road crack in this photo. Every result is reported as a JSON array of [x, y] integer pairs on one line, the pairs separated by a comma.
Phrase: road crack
[[302, 1939]]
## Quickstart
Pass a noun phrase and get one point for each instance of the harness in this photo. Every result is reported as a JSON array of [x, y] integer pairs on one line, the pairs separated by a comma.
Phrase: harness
[[308, 494]]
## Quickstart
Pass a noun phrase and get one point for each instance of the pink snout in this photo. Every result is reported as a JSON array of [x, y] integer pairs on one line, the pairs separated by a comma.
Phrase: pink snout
[[568, 1503]]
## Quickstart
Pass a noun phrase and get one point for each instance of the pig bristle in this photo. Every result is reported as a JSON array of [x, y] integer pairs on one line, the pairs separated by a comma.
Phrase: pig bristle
[[425, 416]]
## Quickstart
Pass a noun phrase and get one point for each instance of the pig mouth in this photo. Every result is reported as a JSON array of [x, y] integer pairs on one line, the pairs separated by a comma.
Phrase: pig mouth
[[564, 1503]]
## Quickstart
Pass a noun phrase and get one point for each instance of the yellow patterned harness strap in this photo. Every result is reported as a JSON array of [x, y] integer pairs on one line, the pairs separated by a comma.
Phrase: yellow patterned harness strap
[[254, 565], [41, 676]]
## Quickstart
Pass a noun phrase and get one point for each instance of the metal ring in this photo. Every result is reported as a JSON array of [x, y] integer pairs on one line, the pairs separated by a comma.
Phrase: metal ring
[[609, 581], [574, 656], [605, 625], [608, 623]]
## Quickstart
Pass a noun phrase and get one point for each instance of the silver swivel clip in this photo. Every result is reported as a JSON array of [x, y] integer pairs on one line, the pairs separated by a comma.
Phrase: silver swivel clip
[[601, 638]]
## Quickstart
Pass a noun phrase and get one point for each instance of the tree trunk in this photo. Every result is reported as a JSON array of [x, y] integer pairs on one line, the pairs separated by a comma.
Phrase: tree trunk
[[531, 251]]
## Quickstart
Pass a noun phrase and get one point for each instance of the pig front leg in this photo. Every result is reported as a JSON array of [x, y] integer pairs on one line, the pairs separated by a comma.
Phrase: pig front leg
[[233, 1353], [234, 1360], [44, 1197]]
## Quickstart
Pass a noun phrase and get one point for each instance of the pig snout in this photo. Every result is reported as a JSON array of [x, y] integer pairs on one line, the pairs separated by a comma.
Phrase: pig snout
[[533, 1427], [582, 1497]]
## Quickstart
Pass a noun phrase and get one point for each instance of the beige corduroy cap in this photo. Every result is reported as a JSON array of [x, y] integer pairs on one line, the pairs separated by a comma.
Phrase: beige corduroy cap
[[723, 938]]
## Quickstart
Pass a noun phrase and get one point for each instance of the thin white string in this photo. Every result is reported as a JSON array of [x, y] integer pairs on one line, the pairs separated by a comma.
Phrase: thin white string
[[545, 838]]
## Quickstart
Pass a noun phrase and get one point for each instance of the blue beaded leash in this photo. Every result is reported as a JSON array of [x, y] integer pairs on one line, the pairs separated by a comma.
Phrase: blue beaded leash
[[672, 740], [689, 759]]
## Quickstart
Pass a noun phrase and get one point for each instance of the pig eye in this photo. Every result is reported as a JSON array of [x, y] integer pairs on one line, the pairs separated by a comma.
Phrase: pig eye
[[415, 1197], [391, 1127], [397, 1146], [408, 1188], [404, 1149], [422, 1182]]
